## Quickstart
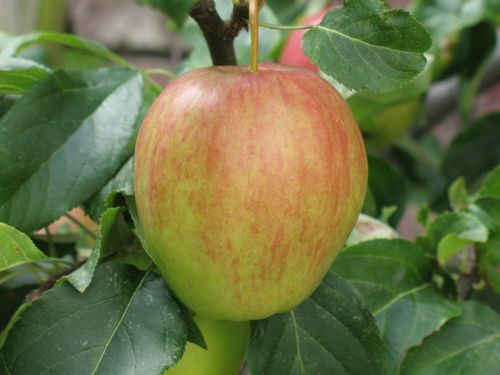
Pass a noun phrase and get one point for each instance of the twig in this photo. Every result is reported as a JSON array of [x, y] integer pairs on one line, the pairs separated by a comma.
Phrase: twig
[[81, 226], [219, 34]]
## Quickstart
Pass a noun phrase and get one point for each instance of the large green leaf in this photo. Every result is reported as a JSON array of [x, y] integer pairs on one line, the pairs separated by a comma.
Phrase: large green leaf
[[18, 75], [63, 140], [125, 323], [123, 182], [16, 248], [177, 10], [394, 276], [467, 345], [365, 45], [332, 332]]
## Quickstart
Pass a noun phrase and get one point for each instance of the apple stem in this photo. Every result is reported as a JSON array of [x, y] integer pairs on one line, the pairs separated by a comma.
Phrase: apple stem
[[254, 34], [286, 27]]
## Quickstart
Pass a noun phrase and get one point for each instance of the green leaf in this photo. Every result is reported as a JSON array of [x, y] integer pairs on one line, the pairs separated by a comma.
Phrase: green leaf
[[452, 232], [63, 140], [480, 139], [365, 45], [332, 332], [177, 10], [457, 195], [126, 322], [16, 44], [423, 215], [194, 334], [475, 48], [113, 235], [446, 17], [467, 345], [394, 277], [489, 260], [121, 183], [19, 75], [490, 187], [11, 299], [16, 248], [387, 187], [487, 211]]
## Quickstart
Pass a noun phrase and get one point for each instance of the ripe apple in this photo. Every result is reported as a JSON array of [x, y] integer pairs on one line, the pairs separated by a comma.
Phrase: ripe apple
[[226, 347], [292, 53], [247, 186]]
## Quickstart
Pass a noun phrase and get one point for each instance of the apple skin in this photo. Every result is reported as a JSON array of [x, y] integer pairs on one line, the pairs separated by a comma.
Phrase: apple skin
[[226, 348], [292, 53], [247, 186]]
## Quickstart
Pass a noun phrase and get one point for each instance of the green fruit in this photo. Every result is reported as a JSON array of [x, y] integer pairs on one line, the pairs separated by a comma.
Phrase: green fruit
[[226, 346], [247, 186], [386, 126]]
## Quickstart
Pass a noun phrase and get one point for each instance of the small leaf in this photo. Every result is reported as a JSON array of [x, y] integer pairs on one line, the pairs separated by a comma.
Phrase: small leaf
[[121, 183], [113, 234], [126, 322], [451, 232], [194, 334], [63, 140], [177, 10], [466, 345], [423, 215], [365, 45], [16, 248], [19, 75], [487, 211], [394, 276], [332, 332], [457, 195], [490, 187]]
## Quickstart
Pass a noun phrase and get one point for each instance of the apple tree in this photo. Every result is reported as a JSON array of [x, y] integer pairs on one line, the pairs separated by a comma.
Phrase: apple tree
[[209, 226]]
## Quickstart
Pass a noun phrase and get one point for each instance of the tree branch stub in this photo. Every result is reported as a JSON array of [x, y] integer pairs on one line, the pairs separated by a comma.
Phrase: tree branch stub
[[219, 34]]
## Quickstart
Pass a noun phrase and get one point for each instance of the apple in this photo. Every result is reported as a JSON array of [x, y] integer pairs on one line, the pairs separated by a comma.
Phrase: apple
[[368, 228], [292, 53], [226, 347], [390, 123], [247, 186]]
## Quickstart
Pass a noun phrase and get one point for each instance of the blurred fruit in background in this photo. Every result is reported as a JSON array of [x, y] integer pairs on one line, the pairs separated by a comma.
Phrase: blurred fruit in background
[[292, 53]]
